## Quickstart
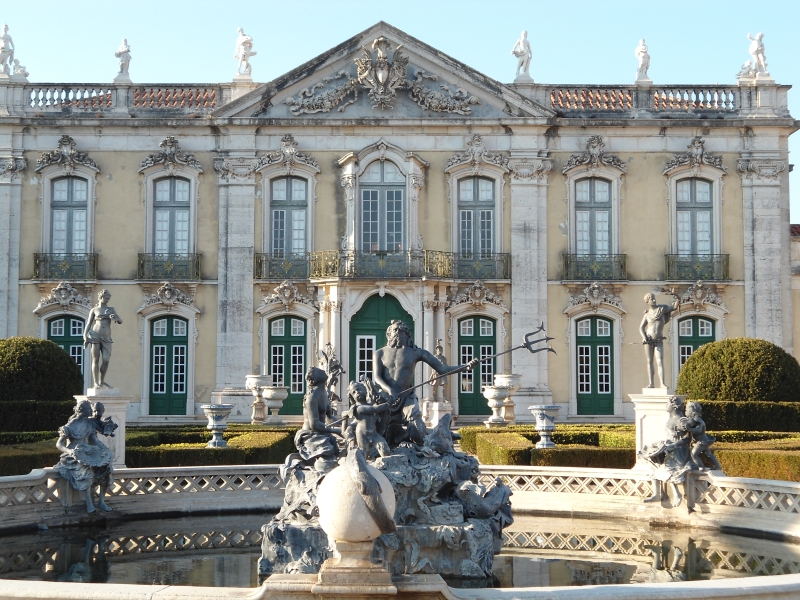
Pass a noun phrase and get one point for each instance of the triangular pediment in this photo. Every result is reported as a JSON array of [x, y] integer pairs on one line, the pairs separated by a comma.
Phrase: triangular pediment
[[383, 73]]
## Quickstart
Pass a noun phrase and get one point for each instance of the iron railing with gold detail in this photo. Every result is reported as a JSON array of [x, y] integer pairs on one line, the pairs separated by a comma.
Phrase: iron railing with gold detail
[[281, 266], [482, 266], [595, 267], [64, 266], [169, 267], [692, 267]]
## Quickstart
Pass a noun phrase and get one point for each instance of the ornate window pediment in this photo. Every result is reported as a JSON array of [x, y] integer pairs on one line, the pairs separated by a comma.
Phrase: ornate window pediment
[[171, 156], [698, 295], [478, 295], [168, 296], [287, 156], [695, 157], [66, 157], [287, 295], [64, 297], [476, 155], [594, 157], [592, 297]]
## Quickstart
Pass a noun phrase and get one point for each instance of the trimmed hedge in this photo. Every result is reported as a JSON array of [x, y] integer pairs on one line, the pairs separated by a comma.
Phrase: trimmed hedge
[[741, 369], [26, 437], [21, 459], [34, 415], [503, 449], [35, 369], [757, 416], [584, 456], [761, 464], [564, 434]]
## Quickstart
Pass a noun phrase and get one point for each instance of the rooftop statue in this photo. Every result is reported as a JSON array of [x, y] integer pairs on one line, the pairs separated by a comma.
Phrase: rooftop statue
[[19, 70], [6, 51], [652, 329], [522, 50], [85, 461], [644, 61], [244, 50], [759, 59], [124, 56], [97, 334]]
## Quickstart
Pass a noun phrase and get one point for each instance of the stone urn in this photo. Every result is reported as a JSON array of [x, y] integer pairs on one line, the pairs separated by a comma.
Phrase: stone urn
[[275, 395], [496, 395], [513, 382], [256, 384], [217, 415], [545, 415]]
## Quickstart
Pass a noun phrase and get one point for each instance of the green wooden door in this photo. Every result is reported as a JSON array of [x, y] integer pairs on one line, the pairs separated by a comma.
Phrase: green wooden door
[[287, 359], [693, 332], [368, 332], [476, 339], [595, 362], [67, 332], [169, 345]]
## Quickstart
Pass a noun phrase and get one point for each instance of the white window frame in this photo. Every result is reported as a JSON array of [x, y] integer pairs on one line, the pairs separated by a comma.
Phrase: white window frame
[[277, 171], [47, 176], [298, 310], [710, 312], [709, 173], [412, 167], [616, 178]]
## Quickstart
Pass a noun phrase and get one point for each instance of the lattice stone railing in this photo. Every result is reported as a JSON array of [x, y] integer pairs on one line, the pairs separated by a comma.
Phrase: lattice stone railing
[[781, 497], [582, 542], [603, 482]]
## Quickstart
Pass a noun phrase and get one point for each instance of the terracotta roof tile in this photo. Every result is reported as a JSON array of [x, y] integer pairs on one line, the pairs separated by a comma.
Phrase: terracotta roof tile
[[795, 229]]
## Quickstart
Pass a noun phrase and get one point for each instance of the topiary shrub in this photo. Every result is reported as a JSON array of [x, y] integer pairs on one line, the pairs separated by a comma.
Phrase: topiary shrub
[[740, 369], [34, 369]]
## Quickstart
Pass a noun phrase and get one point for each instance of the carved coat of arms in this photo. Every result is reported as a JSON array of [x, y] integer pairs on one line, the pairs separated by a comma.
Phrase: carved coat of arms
[[380, 76]]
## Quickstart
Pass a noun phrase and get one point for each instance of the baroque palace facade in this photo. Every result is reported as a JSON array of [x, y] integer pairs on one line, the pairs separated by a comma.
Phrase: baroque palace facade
[[242, 227]]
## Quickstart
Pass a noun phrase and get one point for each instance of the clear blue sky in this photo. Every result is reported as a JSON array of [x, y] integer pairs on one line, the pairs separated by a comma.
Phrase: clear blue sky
[[578, 41]]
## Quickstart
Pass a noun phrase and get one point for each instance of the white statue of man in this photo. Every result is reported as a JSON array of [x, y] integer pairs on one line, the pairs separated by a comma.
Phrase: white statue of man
[[6, 51], [759, 63], [244, 50], [644, 61], [124, 56], [522, 50]]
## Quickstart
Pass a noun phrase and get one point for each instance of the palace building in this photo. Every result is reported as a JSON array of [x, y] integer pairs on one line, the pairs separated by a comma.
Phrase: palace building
[[241, 227]]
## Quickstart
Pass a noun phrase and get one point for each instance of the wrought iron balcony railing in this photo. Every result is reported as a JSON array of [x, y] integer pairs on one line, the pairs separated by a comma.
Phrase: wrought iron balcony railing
[[595, 267], [409, 264], [281, 266], [65, 266], [169, 267], [691, 267]]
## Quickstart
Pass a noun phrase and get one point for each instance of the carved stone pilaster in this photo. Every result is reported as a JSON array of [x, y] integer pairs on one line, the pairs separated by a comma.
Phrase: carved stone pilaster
[[529, 169], [236, 169], [765, 168]]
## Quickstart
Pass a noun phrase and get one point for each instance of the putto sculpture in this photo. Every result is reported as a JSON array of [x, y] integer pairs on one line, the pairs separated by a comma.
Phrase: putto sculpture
[[244, 50], [85, 461], [522, 50], [97, 334], [656, 316]]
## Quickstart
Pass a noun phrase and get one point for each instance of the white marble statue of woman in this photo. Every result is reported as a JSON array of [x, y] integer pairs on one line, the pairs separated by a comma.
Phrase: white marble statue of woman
[[244, 50], [98, 335], [644, 61], [124, 56], [522, 50], [756, 50], [6, 51]]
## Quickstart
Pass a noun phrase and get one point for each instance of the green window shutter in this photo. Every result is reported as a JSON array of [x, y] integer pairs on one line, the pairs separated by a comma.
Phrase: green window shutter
[[595, 366], [286, 359], [169, 355], [477, 338]]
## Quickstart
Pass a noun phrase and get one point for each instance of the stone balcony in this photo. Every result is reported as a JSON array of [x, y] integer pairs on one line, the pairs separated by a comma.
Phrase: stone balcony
[[64, 267], [168, 267]]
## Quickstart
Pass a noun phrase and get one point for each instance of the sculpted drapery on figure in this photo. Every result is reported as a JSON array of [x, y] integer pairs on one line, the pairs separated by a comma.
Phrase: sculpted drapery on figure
[[6, 51], [652, 329], [98, 335], [124, 56], [644, 61], [244, 50], [522, 50]]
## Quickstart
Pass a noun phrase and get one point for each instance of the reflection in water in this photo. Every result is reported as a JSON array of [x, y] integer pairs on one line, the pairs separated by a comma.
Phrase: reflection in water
[[539, 551]]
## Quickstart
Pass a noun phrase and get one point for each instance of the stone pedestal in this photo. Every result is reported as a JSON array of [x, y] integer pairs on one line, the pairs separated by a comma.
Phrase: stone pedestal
[[438, 410], [351, 572], [650, 410], [116, 407]]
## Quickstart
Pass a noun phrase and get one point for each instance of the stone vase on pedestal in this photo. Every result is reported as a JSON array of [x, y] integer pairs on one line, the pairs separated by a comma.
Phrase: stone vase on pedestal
[[256, 384], [513, 382], [275, 395], [116, 407], [217, 422], [545, 415], [496, 396], [650, 416]]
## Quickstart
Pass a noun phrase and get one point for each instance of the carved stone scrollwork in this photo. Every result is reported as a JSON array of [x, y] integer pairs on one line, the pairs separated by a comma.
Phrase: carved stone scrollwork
[[767, 168], [695, 157], [380, 76], [594, 157], [287, 155], [235, 167], [699, 294], [595, 295], [458, 102], [478, 294], [530, 168], [65, 296], [287, 294], [309, 103], [475, 154], [169, 296], [171, 156], [66, 156], [12, 166]]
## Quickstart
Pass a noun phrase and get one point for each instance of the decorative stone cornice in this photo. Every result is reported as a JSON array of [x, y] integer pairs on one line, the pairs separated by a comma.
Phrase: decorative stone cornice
[[527, 169], [762, 168], [288, 156], [475, 155], [169, 296], [478, 294], [695, 157], [12, 166], [236, 168], [699, 294], [287, 294], [594, 157], [66, 156], [171, 156], [65, 296], [595, 295]]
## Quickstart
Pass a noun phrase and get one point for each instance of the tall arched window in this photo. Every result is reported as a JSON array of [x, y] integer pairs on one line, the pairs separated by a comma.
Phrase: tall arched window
[[288, 201], [476, 339], [595, 366], [694, 214], [476, 216], [69, 197], [171, 210], [169, 350], [593, 216], [382, 209]]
